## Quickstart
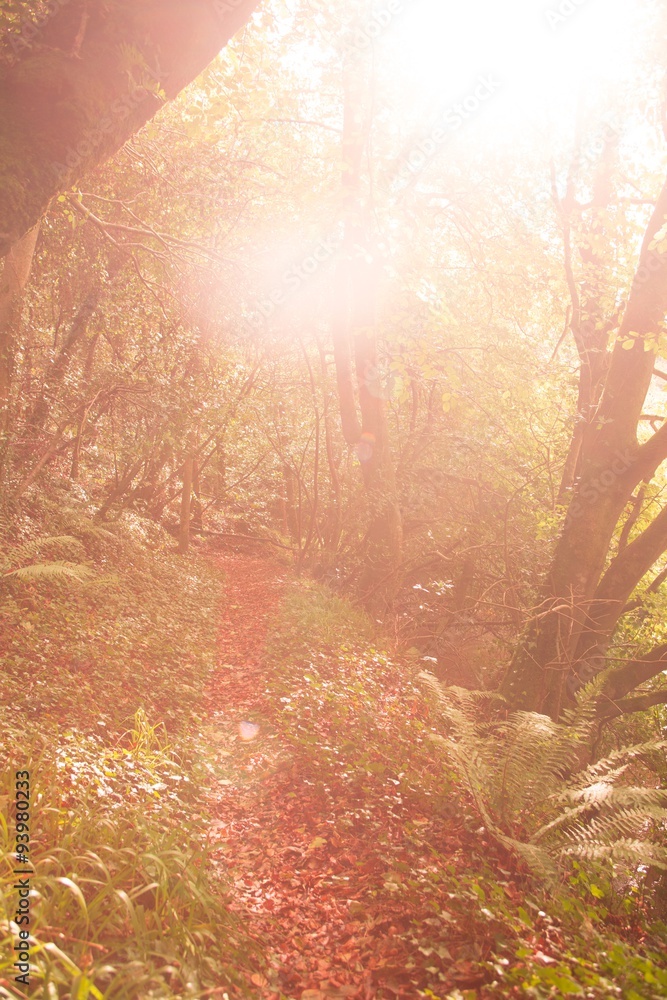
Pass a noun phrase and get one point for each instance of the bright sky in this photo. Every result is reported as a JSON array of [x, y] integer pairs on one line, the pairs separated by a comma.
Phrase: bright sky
[[533, 55], [539, 50]]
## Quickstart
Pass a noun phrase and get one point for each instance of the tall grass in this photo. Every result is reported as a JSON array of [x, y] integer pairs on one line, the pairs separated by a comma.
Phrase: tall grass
[[121, 905], [102, 699]]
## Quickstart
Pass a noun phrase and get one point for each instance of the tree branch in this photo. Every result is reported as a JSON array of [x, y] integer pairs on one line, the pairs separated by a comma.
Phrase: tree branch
[[630, 675], [56, 134], [650, 456], [626, 706]]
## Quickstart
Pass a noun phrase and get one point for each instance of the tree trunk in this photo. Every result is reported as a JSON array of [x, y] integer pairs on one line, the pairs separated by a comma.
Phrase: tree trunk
[[590, 324], [332, 534], [355, 354], [186, 498], [197, 509], [93, 76], [14, 275], [56, 372], [612, 465]]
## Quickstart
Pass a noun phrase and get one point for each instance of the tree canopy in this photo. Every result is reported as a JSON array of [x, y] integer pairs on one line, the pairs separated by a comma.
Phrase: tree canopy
[[370, 296]]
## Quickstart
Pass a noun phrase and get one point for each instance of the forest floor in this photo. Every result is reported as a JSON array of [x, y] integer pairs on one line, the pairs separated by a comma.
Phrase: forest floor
[[351, 854], [361, 879], [277, 822], [308, 879]]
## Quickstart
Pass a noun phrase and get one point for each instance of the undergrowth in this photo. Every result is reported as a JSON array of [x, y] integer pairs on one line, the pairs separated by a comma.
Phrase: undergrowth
[[138, 633], [105, 670], [474, 922], [101, 702], [525, 775]]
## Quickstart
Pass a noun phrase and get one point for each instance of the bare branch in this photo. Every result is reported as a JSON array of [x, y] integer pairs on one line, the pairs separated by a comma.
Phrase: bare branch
[[626, 706]]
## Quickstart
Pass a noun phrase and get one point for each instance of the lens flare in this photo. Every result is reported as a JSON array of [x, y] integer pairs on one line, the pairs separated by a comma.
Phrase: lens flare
[[248, 731]]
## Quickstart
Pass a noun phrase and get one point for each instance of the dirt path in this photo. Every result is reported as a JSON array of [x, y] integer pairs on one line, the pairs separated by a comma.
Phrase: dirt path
[[267, 837], [253, 588], [309, 878]]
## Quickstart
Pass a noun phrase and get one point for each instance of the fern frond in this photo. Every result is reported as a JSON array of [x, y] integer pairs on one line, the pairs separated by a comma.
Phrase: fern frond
[[560, 820], [537, 859], [637, 852], [524, 772], [50, 571], [27, 550], [605, 794], [616, 763]]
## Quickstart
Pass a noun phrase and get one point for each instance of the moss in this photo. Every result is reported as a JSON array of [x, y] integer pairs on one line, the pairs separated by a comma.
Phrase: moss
[[49, 127], [65, 112]]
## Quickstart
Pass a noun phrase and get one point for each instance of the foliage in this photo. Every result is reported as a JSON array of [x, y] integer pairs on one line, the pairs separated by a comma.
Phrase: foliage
[[180, 315], [121, 903], [52, 570], [138, 635], [343, 700], [526, 778], [124, 904], [344, 823]]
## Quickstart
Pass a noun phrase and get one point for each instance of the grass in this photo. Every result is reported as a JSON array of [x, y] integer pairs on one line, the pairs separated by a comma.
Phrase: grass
[[102, 703], [121, 905]]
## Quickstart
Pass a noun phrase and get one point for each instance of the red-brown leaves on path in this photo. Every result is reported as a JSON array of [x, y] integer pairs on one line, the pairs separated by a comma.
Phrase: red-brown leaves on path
[[320, 867]]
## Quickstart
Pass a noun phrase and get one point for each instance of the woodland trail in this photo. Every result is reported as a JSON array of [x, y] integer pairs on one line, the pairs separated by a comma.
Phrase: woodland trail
[[310, 866], [268, 837]]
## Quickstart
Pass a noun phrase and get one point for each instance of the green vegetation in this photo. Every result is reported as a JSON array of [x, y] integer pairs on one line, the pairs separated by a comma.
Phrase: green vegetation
[[137, 633], [102, 704], [354, 727], [333, 499], [128, 904]]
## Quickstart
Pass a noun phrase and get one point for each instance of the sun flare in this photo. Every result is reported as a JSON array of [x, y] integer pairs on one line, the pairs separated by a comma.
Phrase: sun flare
[[541, 54]]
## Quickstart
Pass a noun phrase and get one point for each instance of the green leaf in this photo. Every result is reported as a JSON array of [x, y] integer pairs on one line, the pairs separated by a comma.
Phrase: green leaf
[[567, 985], [76, 892]]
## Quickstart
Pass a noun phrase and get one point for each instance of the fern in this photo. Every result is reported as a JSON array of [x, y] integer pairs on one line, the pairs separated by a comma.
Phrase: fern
[[52, 570], [526, 778]]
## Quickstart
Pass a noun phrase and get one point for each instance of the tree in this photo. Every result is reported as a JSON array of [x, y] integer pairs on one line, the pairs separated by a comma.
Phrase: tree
[[356, 350], [583, 598], [86, 80], [14, 275]]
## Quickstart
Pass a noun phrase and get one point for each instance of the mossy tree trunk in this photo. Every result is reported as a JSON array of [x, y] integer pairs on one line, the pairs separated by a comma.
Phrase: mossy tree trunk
[[581, 604], [87, 80]]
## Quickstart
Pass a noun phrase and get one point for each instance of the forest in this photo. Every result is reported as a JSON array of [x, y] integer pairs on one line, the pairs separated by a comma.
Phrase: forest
[[333, 499]]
